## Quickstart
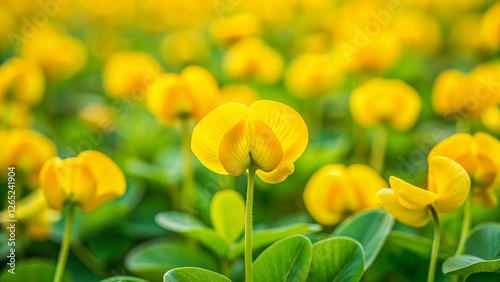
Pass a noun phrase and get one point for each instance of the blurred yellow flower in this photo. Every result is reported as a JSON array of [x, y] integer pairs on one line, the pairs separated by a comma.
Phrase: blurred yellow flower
[[238, 93], [491, 119], [479, 154], [448, 187], [7, 24], [418, 31], [14, 114], [192, 93], [59, 54], [490, 27], [110, 13], [128, 74], [314, 74], [184, 47], [463, 35], [267, 136], [33, 213], [458, 94], [251, 58], [27, 150], [23, 80], [88, 180], [98, 115], [235, 27], [334, 191], [390, 101]]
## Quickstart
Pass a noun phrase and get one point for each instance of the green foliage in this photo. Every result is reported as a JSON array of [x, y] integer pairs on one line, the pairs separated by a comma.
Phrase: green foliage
[[33, 270], [193, 274]]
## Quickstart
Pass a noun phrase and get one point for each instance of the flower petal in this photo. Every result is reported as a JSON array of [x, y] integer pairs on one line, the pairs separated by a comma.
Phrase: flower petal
[[279, 174], [458, 147], [161, 101], [412, 217], [203, 90], [108, 176], [208, 134], [450, 182], [234, 151], [411, 196], [49, 183], [366, 183]]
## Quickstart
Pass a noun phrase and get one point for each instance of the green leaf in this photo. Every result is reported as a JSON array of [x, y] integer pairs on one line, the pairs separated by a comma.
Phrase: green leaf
[[153, 258], [124, 279], [337, 259], [286, 260], [370, 228], [33, 270], [227, 212], [266, 237], [193, 274], [193, 228], [482, 252], [416, 244]]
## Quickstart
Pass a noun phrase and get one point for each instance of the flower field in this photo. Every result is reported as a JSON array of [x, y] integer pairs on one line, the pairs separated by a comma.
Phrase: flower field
[[233, 140]]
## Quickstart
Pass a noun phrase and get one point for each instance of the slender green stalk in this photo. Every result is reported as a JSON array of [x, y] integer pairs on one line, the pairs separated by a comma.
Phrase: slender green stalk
[[63, 252], [465, 226], [435, 245], [248, 226], [379, 145], [187, 193]]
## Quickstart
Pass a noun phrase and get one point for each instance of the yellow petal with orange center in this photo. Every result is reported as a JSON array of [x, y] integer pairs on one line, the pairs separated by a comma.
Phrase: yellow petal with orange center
[[411, 196], [413, 217]]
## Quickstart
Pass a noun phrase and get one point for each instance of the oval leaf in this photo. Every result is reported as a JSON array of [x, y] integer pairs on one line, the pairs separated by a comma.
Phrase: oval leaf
[[286, 260], [193, 274], [370, 228], [32, 270], [337, 259], [193, 228], [227, 212], [152, 259]]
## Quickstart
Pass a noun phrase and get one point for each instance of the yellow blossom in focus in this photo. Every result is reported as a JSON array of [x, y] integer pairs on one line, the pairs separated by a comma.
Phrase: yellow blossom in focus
[[390, 101], [126, 74], [23, 80], [268, 136], [251, 58], [491, 119], [192, 93], [98, 115], [27, 150], [59, 54], [238, 93], [88, 180], [314, 74], [34, 214], [448, 187], [184, 47], [418, 31], [479, 154], [490, 27], [235, 27], [334, 191]]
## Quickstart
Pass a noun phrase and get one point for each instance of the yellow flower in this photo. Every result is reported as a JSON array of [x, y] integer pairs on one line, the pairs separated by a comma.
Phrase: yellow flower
[[464, 36], [490, 27], [448, 187], [252, 59], [479, 154], [238, 93], [59, 54], [334, 191], [32, 211], [98, 115], [27, 150], [313, 74], [14, 114], [192, 93], [88, 180], [425, 35], [184, 47], [491, 119], [268, 136], [126, 74], [24, 78], [458, 94], [235, 27], [385, 100]]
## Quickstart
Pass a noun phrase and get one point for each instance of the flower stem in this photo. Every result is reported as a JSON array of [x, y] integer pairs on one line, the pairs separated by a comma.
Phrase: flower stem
[[187, 192], [248, 226], [63, 252], [465, 225], [378, 148], [435, 245]]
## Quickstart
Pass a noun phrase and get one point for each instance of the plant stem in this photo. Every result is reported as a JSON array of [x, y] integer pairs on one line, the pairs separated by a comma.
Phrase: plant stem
[[378, 148], [63, 252], [465, 225], [435, 245], [248, 226], [187, 192]]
